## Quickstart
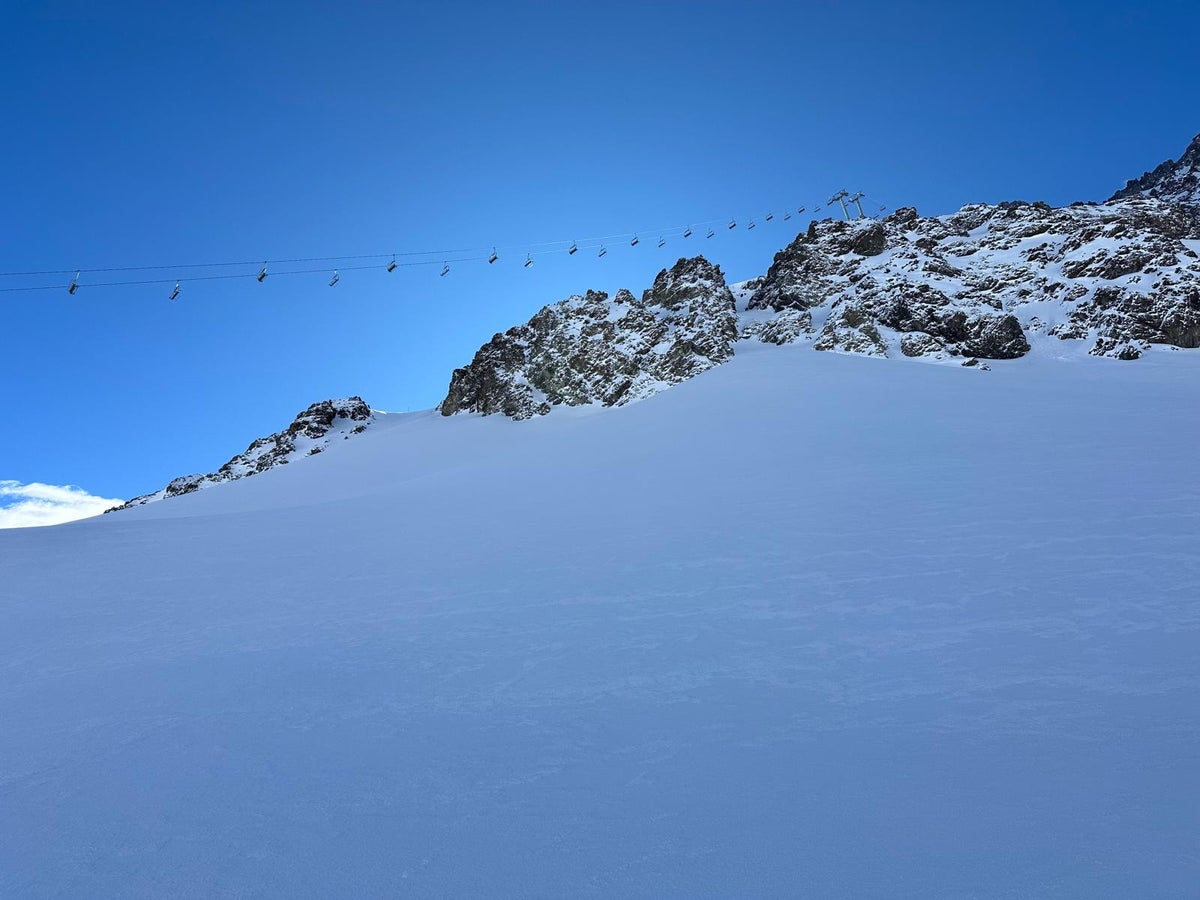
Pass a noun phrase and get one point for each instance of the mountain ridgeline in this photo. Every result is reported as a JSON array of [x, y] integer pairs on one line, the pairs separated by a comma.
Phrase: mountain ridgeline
[[984, 283], [310, 433]]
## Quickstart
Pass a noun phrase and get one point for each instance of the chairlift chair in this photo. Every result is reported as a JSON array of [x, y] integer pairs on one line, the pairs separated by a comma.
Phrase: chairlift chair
[[262, 276], [769, 217], [391, 267], [750, 227], [602, 252], [634, 242], [732, 224], [175, 292], [74, 285], [445, 269], [528, 261], [573, 250], [335, 279], [662, 242], [493, 257], [710, 233], [688, 232]]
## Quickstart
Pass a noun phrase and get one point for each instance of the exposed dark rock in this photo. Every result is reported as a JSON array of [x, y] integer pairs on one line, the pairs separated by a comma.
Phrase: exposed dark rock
[[919, 343], [796, 279], [592, 349], [851, 330], [995, 337], [308, 434], [790, 325], [1177, 181], [902, 216], [870, 241]]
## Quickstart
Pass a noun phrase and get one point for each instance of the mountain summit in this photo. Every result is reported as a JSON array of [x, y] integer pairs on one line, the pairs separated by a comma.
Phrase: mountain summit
[[1176, 181]]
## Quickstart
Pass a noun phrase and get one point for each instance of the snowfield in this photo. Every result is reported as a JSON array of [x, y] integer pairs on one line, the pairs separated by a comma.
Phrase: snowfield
[[807, 624]]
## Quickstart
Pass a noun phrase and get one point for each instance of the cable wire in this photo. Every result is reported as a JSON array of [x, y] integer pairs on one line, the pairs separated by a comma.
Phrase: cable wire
[[437, 257]]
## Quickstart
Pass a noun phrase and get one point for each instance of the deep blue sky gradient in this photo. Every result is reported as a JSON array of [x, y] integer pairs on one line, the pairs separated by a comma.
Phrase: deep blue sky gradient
[[166, 134]]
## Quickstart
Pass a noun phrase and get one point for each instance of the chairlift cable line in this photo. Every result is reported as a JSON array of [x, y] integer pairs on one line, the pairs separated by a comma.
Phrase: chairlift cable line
[[443, 257], [565, 242], [249, 262], [223, 277]]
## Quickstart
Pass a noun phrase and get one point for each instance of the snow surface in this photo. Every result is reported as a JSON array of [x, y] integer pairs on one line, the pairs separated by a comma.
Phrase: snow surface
[[807, 624]]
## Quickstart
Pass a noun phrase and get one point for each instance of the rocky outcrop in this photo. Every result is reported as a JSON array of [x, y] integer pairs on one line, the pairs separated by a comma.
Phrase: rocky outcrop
[[797, 279], [851, 329], [597, 349], [310, 433], [1175, 181], [973, 285], [1117, 274]]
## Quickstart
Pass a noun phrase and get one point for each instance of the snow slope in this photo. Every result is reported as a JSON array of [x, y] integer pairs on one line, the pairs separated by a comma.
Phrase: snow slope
[[807, 624]]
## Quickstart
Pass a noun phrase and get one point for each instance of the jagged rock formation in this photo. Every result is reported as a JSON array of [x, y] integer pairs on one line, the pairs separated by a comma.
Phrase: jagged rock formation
[[969, 284], [1175, 181], [975, 285], [309, 434], [596, 349]]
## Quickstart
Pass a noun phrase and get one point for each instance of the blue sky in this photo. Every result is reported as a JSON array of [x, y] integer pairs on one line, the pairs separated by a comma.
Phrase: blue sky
[[159, 134]]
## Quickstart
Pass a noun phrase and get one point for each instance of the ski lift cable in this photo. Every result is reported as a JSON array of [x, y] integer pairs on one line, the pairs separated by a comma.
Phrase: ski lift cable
[[248, 262], [672, 229], [548, 247], [564, 243], [188, 279]]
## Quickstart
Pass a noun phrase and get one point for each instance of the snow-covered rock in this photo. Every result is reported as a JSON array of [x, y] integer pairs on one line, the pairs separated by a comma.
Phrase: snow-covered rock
[[1176, 181], [311, 432], [1118, 274], [1121, 275], [597, 349]]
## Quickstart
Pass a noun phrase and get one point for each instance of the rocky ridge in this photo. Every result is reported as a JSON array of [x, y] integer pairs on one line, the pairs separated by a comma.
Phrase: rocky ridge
[[977, 285], [311, 432], [1175, 181], [1120, 275], [600, 349]]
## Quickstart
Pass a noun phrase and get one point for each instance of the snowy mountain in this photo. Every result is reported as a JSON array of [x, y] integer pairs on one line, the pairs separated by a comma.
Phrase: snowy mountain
[[854, 623], [1121, 276], [1175, 181], [1117, 278]]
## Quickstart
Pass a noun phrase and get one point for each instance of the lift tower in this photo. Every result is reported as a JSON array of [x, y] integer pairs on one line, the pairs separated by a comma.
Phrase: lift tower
[[840, 197]]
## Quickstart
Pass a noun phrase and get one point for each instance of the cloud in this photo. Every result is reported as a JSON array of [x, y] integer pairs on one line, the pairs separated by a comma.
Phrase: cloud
[[26, 505]]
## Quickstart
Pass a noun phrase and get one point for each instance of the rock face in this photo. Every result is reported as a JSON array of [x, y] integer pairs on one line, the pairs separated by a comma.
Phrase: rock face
[[1175, 181], [312, 431], [971, 286], [597, 349], [1120, 275]]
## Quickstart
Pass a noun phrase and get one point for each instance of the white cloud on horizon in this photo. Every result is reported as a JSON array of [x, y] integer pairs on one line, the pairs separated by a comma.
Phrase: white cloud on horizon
[[33, 504]]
